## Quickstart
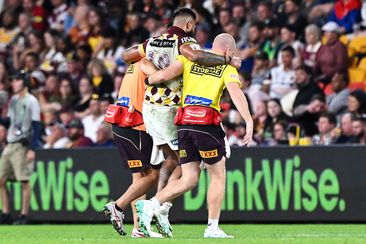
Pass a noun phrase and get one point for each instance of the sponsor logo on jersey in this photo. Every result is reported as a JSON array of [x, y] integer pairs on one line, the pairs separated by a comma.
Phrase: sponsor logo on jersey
[[234, 76], [188, 39], [209, 154], [124, 101], [134, 163], [182, 153], [174, 142], [162, 43], [216, 71], [193, 100], [130, 69]]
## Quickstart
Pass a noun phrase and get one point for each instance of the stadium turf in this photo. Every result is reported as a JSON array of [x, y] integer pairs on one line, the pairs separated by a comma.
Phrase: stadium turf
[[187, 234]]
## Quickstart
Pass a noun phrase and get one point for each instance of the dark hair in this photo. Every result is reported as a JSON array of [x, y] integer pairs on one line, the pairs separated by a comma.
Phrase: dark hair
[[266, 4], [33, 55], [257, 24], [184, 12], [318, 97], [289, 49], [331, 117], [307, 69], [276, 100], [282, 123]]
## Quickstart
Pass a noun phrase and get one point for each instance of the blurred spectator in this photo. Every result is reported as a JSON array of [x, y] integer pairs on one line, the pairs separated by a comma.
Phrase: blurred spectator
[[50, 96], [102, 82], [236, 139], [283, 76], [3, 134], [279, 133], [85, 93], [52, 57], [233, 30], [79, 32], [346, 135], [252, 45], [56, 138], [312, 38], [346, 14], [163, 9], [75, 133], [104, 136], [359, 129], [74, 68], [8, 28], [105, 100], [357, 102], [275, 114], [337, 102], [94, 119], [264, 11], [239, 13], [67, 93], [38, 14], [96, 24], [307, 89], [332, 56], [310, 116], [4, 89], [59, 13], [110, 51], [326, 124], [272, 40], [294, 17], [135, 33], [19, 42], [66, 114], [152, 25], [224, 19], [288, 38], [202, 35], [259, 119], [261, 72]]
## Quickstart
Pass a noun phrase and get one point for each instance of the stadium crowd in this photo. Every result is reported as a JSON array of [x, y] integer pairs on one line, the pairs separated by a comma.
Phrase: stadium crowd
[[303, 64]]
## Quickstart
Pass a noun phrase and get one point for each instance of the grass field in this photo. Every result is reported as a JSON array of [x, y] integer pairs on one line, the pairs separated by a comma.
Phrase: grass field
[[188, 234]]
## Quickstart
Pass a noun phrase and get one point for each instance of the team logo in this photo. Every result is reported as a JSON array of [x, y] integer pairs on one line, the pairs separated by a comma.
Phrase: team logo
[[182, 153], [209, 154], [124, 101], [134, 163], [130, 69], [193, 100]]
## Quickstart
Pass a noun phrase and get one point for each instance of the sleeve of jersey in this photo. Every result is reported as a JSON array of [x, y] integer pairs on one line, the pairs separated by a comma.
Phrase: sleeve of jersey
[[186, 40], [142, 48], [231, 75], [182, 59]]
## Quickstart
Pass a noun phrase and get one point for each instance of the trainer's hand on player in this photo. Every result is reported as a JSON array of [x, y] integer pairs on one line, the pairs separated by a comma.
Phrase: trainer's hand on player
[[236, 62]]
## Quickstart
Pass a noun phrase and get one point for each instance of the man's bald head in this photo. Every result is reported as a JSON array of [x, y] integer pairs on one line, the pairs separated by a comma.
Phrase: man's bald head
[[223, 42]]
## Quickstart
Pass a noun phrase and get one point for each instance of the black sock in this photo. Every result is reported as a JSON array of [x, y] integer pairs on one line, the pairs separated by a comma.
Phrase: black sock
[[118, 208]]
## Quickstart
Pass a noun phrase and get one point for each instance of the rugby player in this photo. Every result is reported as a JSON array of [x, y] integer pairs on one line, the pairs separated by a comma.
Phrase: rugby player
[[201, 137], [135, 147], [162, 101]]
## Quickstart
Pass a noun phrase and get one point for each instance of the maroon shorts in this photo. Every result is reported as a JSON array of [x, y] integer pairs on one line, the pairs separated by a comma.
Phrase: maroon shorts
[[134, 147], [201, 143]]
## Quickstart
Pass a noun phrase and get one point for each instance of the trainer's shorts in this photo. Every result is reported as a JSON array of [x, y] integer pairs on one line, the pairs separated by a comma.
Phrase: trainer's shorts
[[202, 143], [159, 123], [134, 147], [14, 164]]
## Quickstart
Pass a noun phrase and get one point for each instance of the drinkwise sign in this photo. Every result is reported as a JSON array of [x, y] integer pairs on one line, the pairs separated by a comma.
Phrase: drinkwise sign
[[277, 184]]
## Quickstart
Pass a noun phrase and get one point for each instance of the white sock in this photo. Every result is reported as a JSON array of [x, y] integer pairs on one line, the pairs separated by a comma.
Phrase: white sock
[[155, 203], [213, 223], [165, 207]]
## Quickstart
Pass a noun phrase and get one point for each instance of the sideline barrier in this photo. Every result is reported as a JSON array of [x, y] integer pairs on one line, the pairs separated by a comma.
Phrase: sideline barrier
[[275, 184]]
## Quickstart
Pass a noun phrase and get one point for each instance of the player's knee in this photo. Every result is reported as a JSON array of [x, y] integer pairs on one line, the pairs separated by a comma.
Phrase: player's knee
[[3, 182]]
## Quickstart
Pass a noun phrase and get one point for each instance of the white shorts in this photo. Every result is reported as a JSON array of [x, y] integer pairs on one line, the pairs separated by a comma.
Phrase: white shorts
[[159, 123]]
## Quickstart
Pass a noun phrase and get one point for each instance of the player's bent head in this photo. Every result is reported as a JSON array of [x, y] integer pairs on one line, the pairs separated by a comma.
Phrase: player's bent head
[[184, 13], [185, 19], [222, 42]]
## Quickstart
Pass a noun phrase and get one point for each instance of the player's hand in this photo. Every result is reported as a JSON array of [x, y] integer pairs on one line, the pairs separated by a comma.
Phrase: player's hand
[[248, 138], [31, 155], [236, 62]]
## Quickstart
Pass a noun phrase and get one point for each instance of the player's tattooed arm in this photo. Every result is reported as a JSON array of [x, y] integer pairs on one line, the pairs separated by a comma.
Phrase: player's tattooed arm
[[132, 54], [194, 53]]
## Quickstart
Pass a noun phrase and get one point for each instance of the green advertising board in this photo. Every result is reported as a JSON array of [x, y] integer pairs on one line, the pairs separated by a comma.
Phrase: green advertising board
[[282, 184]]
